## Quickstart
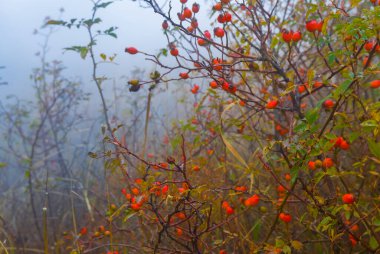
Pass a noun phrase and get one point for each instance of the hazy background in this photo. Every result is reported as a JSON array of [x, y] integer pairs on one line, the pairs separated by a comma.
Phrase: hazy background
[[19, 18]]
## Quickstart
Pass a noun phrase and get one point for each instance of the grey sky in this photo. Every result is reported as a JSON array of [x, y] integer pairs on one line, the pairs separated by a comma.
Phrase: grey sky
[[137, 27]]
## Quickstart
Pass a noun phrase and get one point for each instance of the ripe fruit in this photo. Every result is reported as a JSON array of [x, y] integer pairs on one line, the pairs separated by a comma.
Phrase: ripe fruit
[[217, 7], [375, 83], [213, 84], [195, 8], [174, 52], [131, 50], [281, 189], [184, 75], [194, 23], [311, 165], [179, 231], [241, 188], [187, 13], [301, 88], [319, 26], [165, 25], [181, 16], [196, 168], [221, 18], [83, 231], [271, 104], [287, 36], [227, 17], [219, 32], [296, 36], [312, 26], [183, 1], [328, 104], [369, 45], [317, 84], [348, 198], [327, 163], [181, 215], [285, 217], [230, 210], [165, 189], [252, 201], [201, 42]]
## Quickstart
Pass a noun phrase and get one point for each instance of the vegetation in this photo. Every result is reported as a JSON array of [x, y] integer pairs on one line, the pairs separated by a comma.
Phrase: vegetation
[[277, 149]]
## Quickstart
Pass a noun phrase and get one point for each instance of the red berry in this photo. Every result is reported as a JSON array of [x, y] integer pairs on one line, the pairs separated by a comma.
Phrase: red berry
[[195, 8], [219, 32], [213, 84], [83, 231], [311, 165], [194, 23], [375, 83], [271, 104], [217, 7], [183, 1], [221, 18], [301, 88], [348, 198], [287, 36], [327, 163], [297, 36], [174, 52], [312, 26], [207, 35], [187, 13], [131, 50], [165, 25], [368, 45], [328, 104], [230, 210], [227, 17], [285, 217], [252, 201], [319, 26], [344, 145], [184, 75]]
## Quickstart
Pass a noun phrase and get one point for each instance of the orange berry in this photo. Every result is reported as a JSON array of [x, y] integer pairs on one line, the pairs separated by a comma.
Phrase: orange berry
[[285, 217], [83, 231], [348, 198], [271, 104], [252, 201], [328, 104], [311, 165], [327, 163], [179, 231], [230, 210], [131, 50], [375, 83], [196, 168]]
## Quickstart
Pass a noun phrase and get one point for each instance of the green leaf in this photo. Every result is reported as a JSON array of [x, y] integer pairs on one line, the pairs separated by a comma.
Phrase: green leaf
[[374, 147], [370, 123], [103, 5], [83, 53], [55, 22], [373, 243], [103, 56], [312, 115], [3, 165], [342, 88]]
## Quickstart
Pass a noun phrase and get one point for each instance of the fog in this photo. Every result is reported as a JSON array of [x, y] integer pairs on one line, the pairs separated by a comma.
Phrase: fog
[[20, 18]]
